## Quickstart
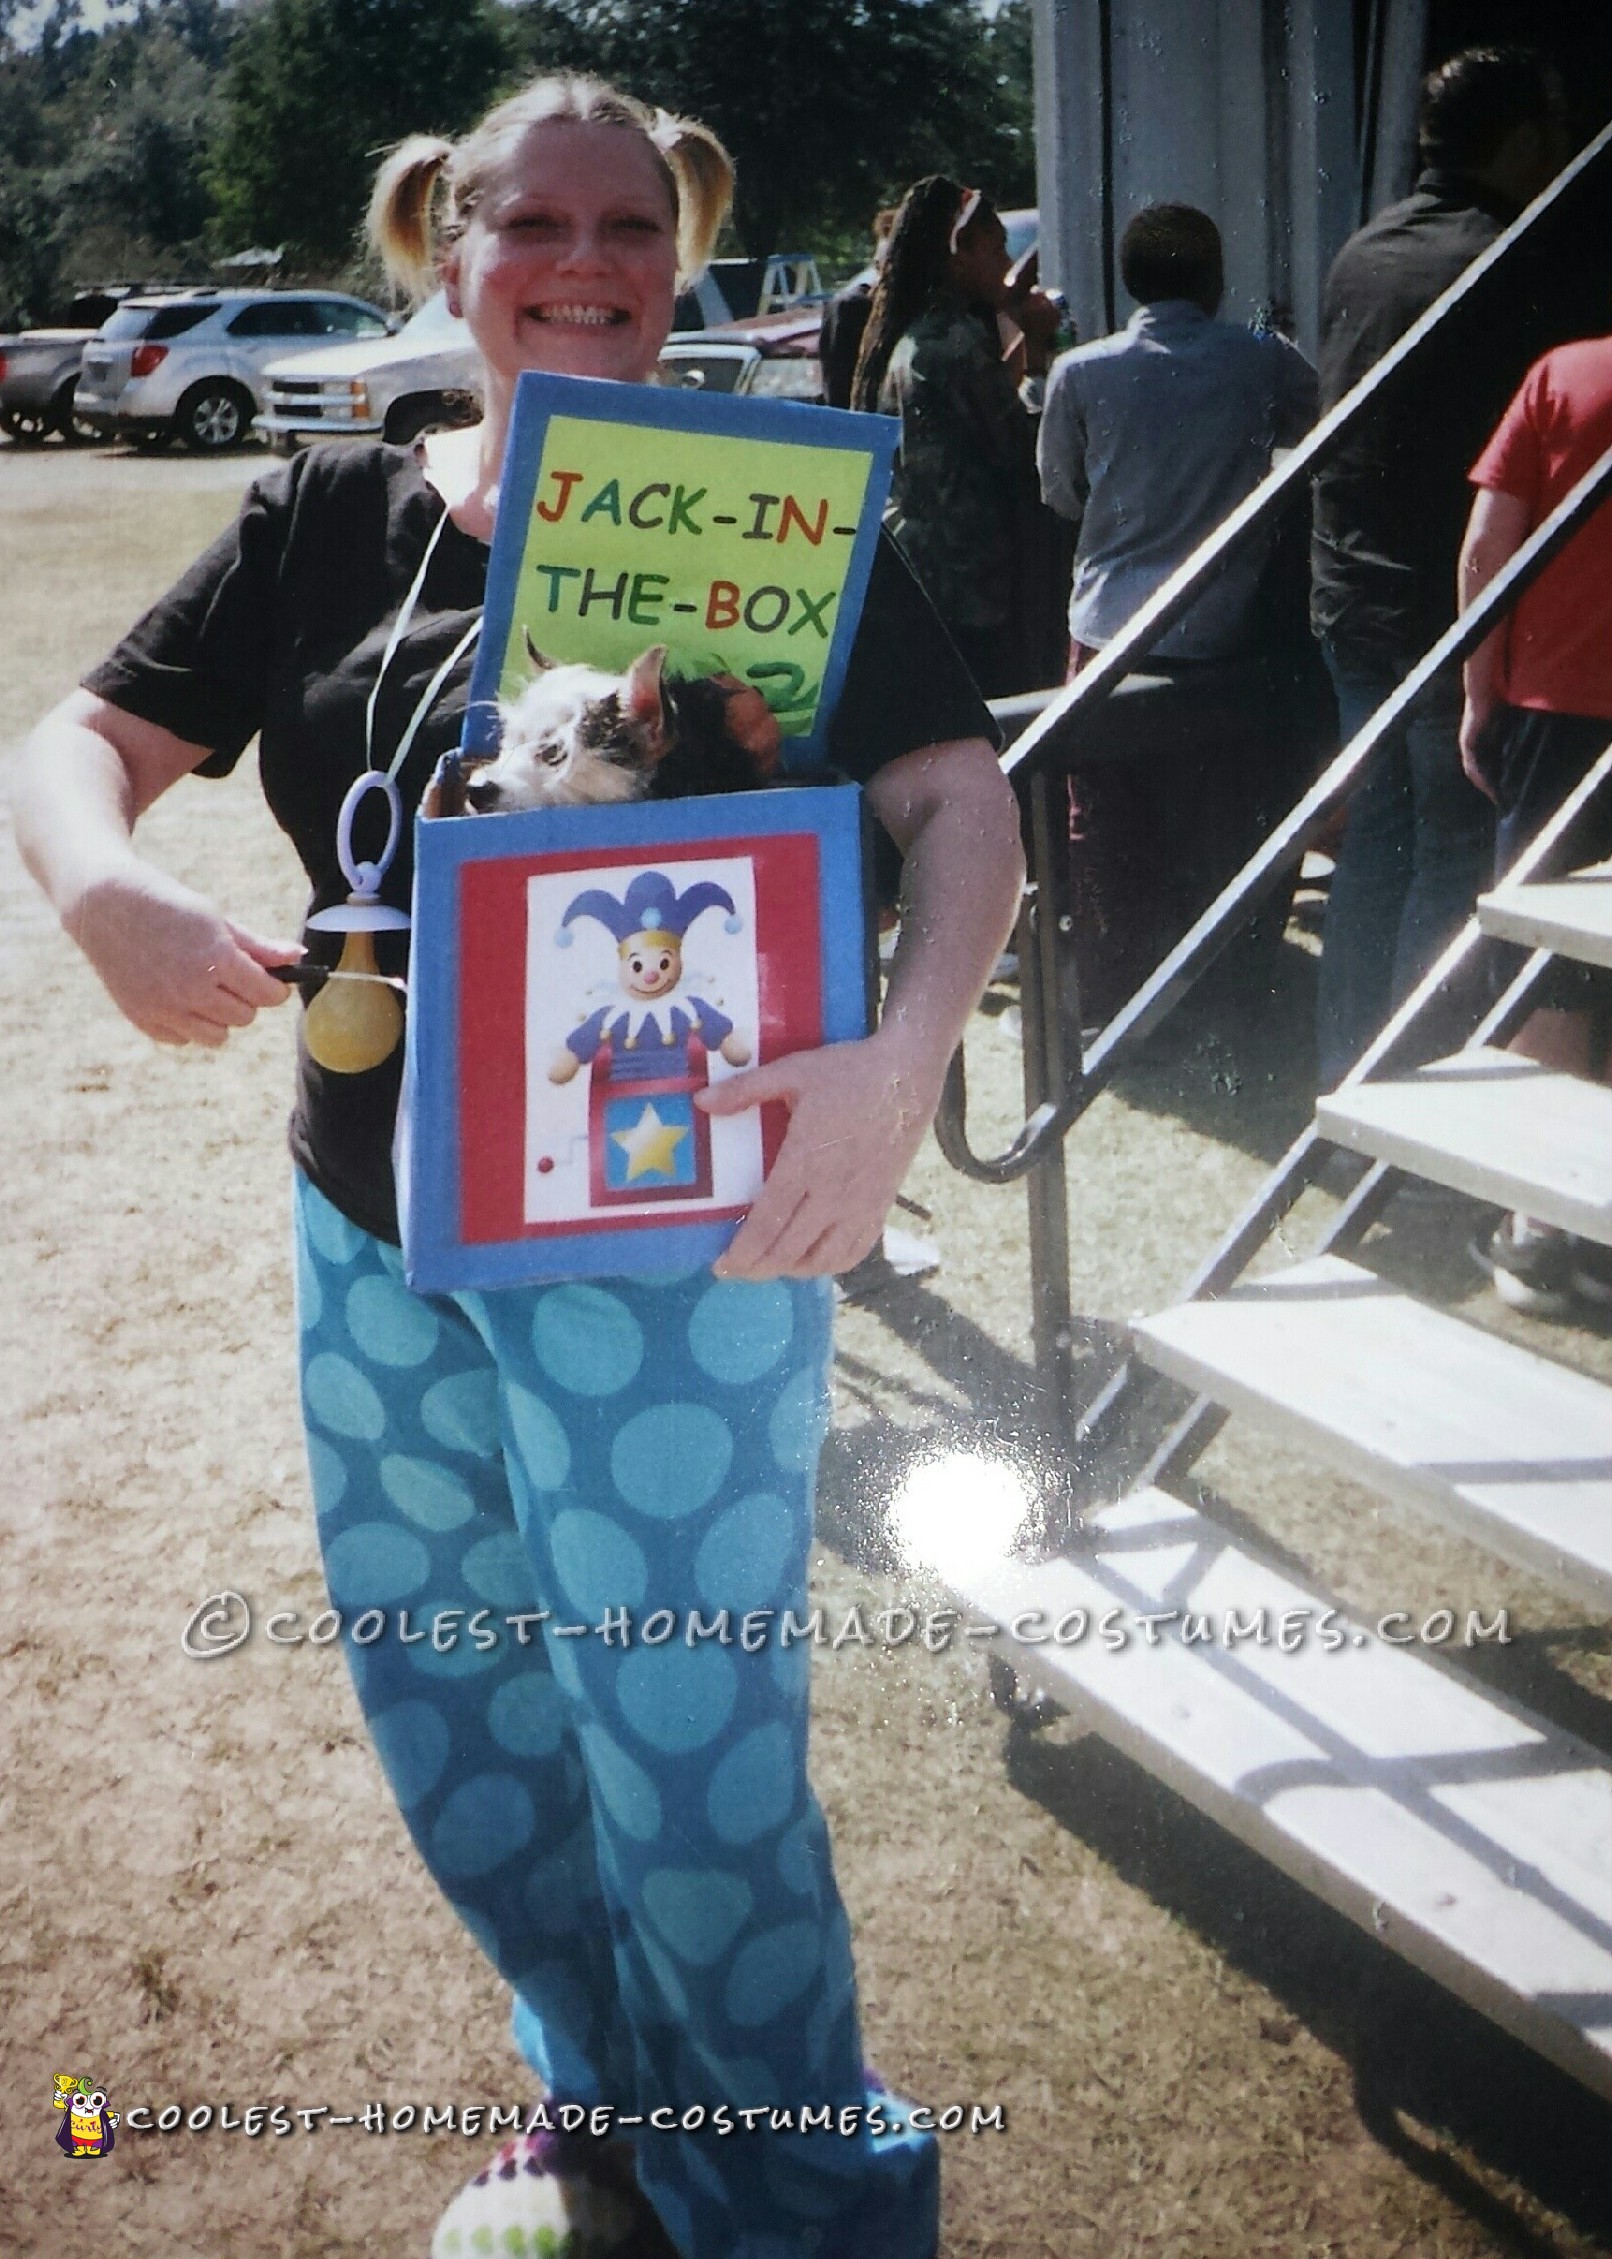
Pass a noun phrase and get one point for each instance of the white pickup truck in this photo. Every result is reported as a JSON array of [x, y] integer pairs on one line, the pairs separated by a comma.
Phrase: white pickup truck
[[393, 388]]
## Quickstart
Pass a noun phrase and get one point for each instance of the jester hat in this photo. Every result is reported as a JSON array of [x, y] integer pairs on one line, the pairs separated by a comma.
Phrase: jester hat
[[651, 907]]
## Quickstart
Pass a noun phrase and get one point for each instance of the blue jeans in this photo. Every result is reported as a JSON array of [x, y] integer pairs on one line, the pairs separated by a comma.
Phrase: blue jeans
[[1417, 851], [625, 1828]]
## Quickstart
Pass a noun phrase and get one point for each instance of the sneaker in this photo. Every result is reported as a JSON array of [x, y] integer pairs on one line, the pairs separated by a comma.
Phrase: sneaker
[[553, 2196], [1531, 1265], [909, 1256]]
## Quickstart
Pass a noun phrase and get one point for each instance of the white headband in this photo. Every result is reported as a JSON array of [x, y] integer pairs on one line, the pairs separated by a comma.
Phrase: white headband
[[971, 203]]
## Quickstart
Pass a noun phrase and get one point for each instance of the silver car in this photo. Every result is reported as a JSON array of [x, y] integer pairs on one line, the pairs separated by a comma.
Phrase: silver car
[[38, 381], [39, 368], [190, 365]]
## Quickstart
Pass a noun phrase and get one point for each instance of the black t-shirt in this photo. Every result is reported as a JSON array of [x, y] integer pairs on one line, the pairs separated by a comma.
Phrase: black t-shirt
[[1391, 501], [278, 630]]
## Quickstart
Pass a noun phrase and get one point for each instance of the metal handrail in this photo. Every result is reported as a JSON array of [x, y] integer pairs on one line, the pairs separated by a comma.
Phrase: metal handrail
[[1058, 1083], [1055, 1081], [1202, 943]]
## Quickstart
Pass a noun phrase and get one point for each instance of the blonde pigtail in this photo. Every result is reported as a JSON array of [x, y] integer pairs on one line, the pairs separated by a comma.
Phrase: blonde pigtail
[[400, 221], [703, 173]]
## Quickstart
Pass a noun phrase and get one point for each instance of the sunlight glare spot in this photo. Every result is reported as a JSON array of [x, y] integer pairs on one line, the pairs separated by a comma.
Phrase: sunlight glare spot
[[957, 1513]]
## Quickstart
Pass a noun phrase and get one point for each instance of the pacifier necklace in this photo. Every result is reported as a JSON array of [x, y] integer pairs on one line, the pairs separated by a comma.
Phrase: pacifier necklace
[[356, 1020]]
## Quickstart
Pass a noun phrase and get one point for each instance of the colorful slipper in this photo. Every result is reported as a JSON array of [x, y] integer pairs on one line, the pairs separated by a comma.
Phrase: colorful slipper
[[553, 2196]]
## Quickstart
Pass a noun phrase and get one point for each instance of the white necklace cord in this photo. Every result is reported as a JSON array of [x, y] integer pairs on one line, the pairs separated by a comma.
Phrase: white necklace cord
[[365, 877], [428, 698], [400, 628]]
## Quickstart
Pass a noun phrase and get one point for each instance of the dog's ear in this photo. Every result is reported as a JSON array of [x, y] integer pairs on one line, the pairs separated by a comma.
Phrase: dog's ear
[[646, 704], [540, 665]]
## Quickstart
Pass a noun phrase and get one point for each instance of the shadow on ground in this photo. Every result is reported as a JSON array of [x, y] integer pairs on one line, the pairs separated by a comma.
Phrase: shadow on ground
[[983, 1400], [1475, 2114], [1236, 1061]]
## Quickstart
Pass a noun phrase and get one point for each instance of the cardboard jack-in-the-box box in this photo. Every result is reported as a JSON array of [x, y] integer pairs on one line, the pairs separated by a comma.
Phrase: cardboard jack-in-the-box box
[[578, 976]]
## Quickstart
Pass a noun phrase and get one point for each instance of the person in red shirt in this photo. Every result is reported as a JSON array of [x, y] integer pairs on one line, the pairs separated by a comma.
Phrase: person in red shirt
[[1537, 716]]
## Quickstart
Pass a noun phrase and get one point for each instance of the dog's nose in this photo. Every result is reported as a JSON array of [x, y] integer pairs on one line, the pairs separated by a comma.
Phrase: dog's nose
[[484, 795]]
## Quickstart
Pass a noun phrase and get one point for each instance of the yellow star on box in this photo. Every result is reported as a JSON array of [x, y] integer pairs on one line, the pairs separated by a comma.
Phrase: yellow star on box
[[650, 1145]]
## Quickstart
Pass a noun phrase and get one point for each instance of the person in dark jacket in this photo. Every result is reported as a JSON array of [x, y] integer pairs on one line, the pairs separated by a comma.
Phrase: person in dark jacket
[[1390, 509], [845, 321]]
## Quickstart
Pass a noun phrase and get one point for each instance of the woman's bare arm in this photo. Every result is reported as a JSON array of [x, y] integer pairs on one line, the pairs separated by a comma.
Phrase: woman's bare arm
[[170, 960], [858, 1111]]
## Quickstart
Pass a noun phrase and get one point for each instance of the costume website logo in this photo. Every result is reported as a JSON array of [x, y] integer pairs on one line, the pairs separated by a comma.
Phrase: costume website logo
[[86, 2126]]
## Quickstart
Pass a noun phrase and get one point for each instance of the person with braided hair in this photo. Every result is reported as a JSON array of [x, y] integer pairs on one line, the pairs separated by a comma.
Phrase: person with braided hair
[[965, 504]]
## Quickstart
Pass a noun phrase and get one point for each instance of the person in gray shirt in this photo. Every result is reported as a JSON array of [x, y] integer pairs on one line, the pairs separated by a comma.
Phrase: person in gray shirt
[[1149, 438], [1152, 436]]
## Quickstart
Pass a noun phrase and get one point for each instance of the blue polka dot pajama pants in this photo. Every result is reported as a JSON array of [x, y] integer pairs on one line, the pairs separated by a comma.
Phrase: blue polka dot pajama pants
[[626, 1828]]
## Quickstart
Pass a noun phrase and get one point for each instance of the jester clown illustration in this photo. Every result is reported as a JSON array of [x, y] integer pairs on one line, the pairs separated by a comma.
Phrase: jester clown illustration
[[86, 2127], [648, 1056]]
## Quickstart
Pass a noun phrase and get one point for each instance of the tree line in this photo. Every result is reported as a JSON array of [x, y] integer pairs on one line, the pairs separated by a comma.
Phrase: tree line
[[183, 131]]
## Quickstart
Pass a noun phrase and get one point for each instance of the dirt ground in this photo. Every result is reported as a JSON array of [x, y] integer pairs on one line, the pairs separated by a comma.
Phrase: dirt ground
[[207, 1893]]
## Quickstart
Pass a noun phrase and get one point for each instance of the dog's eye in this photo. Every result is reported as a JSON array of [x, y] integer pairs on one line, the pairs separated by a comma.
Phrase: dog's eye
[[554, 756]]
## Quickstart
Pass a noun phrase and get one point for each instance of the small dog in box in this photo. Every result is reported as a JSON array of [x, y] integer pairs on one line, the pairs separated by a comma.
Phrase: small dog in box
[[577, 737]]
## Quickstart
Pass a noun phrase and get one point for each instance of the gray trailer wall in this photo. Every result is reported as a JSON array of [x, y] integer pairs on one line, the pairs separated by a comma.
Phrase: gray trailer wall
[[1245, 108]]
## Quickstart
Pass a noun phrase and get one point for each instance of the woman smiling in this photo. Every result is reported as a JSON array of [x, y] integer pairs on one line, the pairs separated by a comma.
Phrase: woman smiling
[[629, 1834]]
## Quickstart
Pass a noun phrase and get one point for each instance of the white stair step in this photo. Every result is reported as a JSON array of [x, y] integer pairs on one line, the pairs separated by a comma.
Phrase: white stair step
[[1471, 1837], [1492, 1124], [1509, 1449], [1572, 916]]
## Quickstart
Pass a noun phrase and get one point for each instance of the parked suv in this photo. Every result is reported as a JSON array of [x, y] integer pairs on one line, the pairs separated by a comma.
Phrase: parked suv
[[191, 366]]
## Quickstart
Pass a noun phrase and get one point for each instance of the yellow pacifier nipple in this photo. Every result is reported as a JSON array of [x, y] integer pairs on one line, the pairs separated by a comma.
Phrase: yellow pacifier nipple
[[356, 1020], [354, 1023]]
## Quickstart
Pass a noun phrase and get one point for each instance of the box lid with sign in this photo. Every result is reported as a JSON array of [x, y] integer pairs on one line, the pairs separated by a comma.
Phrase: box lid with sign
[[739, 533]]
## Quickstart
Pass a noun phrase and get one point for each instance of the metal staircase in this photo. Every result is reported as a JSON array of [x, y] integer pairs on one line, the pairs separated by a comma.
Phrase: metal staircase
[[1469, 1835]]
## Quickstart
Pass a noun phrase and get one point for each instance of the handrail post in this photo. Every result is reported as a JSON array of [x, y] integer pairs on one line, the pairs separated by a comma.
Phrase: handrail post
[[1050, 1015]]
